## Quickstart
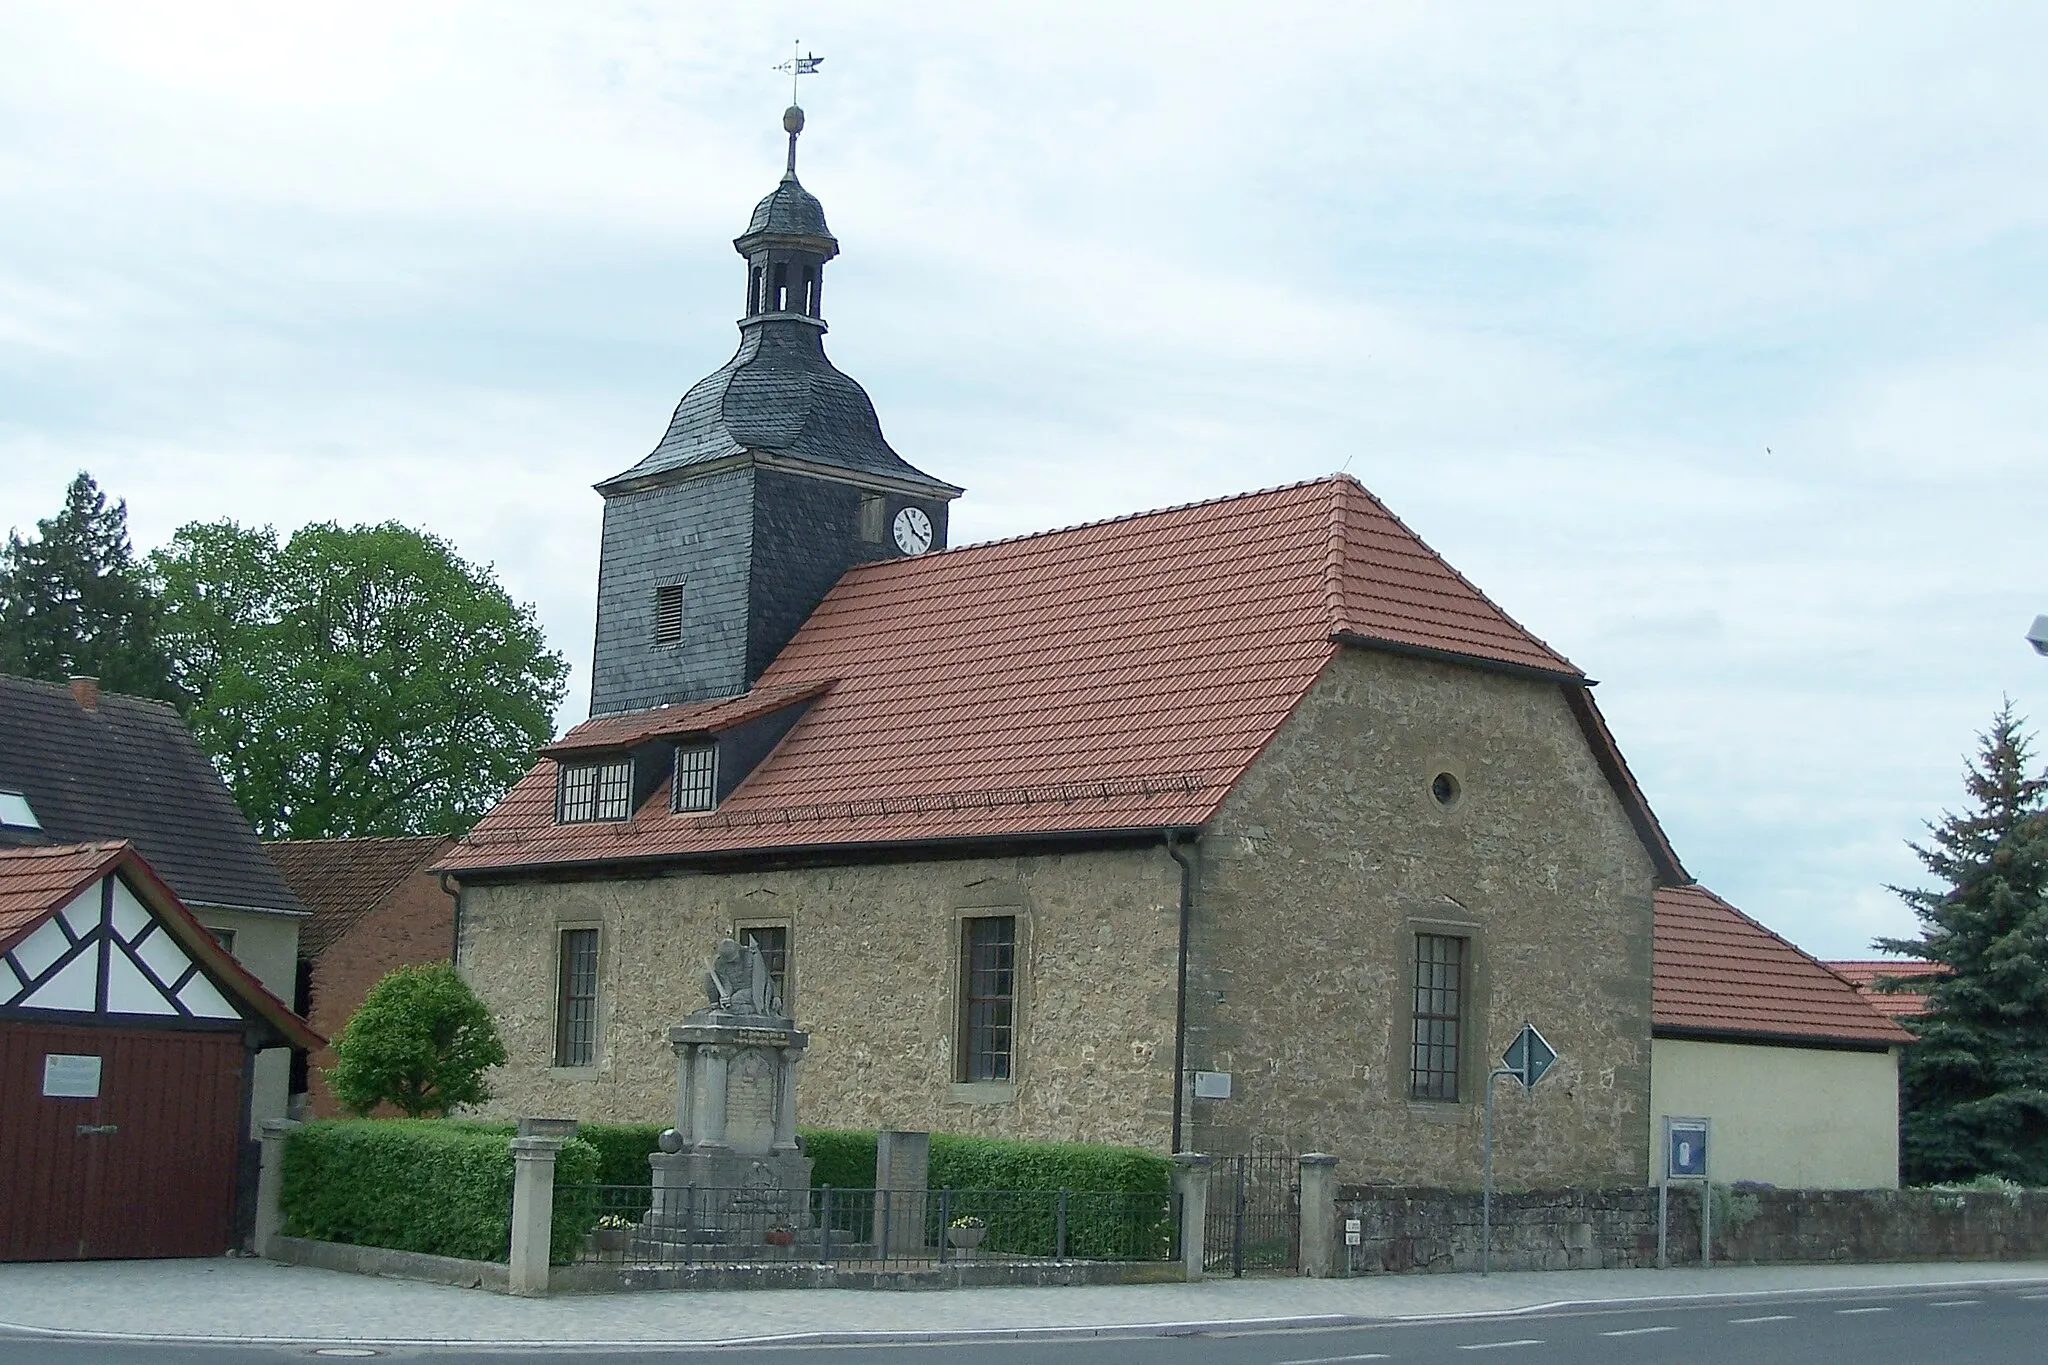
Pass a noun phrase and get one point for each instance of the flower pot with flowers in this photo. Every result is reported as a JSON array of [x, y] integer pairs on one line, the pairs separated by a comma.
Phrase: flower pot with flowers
[[611, 1233], [781, 1235], [966, 1232]]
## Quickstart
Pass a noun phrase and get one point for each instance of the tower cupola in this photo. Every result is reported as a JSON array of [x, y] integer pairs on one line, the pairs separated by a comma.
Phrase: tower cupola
[[772, 479]]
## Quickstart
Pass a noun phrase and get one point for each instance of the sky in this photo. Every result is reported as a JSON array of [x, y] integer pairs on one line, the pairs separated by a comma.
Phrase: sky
[[1708, 339]]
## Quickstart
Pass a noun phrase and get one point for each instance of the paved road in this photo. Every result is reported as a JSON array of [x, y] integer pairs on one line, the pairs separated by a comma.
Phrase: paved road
[[1979, 1326]]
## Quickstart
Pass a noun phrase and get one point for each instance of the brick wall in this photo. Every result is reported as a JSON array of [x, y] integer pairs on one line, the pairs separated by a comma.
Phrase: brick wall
[[415, 923], [1576, 1229]]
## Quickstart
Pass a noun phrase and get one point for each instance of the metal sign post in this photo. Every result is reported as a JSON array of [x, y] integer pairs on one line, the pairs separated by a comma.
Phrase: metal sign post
[[1527, 1059], [1685, 1158]]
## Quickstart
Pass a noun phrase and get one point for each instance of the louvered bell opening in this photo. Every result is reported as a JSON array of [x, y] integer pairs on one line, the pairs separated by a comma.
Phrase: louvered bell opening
[[668, 614]]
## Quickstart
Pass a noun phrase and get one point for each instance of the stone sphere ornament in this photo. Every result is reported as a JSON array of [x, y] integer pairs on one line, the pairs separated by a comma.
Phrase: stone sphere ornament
[[670, 1141]]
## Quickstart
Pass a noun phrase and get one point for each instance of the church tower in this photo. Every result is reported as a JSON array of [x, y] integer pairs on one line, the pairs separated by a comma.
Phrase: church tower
[[772, 480]]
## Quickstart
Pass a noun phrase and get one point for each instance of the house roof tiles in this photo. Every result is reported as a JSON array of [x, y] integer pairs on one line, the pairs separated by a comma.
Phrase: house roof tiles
[[341, 880], [1719, 972], [1864, 974], [128, 769], [1114, 676]]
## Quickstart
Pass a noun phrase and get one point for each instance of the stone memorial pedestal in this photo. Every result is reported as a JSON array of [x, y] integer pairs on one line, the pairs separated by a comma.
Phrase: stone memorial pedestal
[[730, 1170]]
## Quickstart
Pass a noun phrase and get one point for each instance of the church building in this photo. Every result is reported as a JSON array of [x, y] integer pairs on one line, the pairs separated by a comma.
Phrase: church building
[[1243, 825]]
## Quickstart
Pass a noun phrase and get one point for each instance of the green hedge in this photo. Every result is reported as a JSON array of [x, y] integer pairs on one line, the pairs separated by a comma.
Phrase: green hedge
[[974, 1163], [843, 1158], [418, 1185]]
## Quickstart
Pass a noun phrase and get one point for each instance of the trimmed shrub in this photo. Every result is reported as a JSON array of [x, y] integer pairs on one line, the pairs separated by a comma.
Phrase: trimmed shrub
[[418, 1185], [843, 1158], [622, 1150], [976, 1163]]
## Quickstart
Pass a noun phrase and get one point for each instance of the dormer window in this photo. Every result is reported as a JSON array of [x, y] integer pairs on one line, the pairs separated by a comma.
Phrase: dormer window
[[16, 813], [595, 791], [696, 784]]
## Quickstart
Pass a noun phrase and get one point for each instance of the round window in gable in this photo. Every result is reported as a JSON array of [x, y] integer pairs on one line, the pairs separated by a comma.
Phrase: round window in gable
[[1446, 790]]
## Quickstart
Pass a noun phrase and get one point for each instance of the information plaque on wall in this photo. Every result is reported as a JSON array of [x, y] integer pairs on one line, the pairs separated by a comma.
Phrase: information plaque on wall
[[67, 1076]]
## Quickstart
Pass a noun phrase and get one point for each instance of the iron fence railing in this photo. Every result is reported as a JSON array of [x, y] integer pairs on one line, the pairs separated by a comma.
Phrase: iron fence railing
[[1254, 1220], [632, 1225]]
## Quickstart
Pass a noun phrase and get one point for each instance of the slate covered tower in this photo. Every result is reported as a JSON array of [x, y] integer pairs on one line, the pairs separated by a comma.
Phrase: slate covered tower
[[773, 479]]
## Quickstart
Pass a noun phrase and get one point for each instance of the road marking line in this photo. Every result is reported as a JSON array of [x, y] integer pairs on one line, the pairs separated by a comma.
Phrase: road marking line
[[1638, 1331], [2034, 1298], [1844, 1312], [1496, 1345], [1954, 1303], [1774, 1317], [1338, 1360]]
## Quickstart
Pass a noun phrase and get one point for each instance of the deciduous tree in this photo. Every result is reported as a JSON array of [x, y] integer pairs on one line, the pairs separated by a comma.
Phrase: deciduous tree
[[1974, 1088], [354, 681], [421, 1042]]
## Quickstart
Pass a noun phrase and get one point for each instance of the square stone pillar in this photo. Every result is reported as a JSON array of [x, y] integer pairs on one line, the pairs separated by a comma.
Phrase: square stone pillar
[[1191, 1183], [1318, 1215], [270, 1185], [903, 1166], [533, 1212]]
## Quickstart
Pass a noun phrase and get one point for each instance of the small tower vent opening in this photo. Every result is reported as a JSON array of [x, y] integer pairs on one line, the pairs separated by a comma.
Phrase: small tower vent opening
[[668, 614], [781, 301]]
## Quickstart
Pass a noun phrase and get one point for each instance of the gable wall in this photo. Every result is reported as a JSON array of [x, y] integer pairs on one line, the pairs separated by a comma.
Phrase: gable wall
[[874, 977], [1314, 875], [413, 923]]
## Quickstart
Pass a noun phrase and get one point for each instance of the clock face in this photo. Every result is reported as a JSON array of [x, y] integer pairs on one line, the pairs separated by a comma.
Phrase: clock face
[[913, 531]]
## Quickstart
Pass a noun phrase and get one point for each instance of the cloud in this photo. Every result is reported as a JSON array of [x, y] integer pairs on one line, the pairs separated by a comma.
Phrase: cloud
[[1705, 341]]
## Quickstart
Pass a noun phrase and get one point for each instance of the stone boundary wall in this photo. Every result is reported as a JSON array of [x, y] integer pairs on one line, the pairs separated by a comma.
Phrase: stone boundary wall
[[1580, 1229], [389, 1264]]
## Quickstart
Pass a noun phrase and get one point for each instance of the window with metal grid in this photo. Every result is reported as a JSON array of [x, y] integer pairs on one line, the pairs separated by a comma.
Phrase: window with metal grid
[[576, 999], [668, 614], [1439, 1016], [696, 784], [988, 996], [594, 791], [773, 941]]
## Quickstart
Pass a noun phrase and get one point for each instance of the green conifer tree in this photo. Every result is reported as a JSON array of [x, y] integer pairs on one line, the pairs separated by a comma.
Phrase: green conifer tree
[[1974, 1088], [73, 600]]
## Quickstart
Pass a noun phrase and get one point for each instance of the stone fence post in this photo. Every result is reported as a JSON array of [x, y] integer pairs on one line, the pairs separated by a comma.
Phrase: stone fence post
[[270, 1185], [1318, 1214], [1191, 1183], [903, 1163], [533, 1212]]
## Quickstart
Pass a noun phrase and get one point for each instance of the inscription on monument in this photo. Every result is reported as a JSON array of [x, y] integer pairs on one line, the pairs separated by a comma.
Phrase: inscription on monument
[[761, 1037], [750, 1103]]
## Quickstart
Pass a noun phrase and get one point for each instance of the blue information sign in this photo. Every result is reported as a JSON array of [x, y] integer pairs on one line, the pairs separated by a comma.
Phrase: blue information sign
[[1685, 1155]]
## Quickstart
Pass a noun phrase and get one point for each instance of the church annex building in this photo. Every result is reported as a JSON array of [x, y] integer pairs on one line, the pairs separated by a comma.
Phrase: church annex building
[[1243, 825]]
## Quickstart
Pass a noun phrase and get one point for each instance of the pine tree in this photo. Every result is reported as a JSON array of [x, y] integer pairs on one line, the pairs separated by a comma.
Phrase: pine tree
[[73, 600], [1974, 1088]]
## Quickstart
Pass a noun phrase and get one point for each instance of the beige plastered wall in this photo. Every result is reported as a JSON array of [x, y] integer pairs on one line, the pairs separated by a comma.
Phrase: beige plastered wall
[[874, 968], [1332, 854], [1796, 1117], [267, 944]]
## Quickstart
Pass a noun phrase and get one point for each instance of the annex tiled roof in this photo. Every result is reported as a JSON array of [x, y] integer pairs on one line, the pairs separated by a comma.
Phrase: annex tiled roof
[[1116, 676], [38, 880], [130, 770], [604, 733], [1720, 972], [341, 880], [1864, 973]]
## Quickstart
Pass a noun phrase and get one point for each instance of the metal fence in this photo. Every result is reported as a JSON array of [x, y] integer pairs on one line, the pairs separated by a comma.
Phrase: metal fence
[[1254, 1214], [703, 1226]]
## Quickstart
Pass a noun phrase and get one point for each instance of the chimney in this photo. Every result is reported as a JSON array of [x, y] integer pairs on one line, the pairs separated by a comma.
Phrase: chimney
[[86, 692]]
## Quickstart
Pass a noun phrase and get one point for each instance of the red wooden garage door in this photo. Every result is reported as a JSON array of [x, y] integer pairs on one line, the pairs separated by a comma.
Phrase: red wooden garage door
[[145, 1169]]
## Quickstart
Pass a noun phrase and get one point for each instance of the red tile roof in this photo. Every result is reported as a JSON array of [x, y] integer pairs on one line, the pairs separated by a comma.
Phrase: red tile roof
[[1115, 676], [36, 881], [688, 718], [1863, 973], [341, 880], [1720, 972], [41, 877]]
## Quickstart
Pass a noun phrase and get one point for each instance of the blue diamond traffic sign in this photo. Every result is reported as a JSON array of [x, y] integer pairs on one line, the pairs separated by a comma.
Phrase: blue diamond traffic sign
[[1529, 1056]]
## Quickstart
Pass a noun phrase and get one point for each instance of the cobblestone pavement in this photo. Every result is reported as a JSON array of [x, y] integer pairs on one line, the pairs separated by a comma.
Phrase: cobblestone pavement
[[238, 1299]]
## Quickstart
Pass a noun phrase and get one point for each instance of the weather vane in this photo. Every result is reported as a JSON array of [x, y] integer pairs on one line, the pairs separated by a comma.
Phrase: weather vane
[[800, 63]]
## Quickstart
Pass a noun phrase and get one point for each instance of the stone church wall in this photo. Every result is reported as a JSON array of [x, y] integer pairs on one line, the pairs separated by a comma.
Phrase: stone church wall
[[874, 972], [1328, 859]]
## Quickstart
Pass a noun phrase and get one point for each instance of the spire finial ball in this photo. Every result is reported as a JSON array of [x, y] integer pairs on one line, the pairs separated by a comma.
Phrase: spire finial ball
[[792, 120]]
